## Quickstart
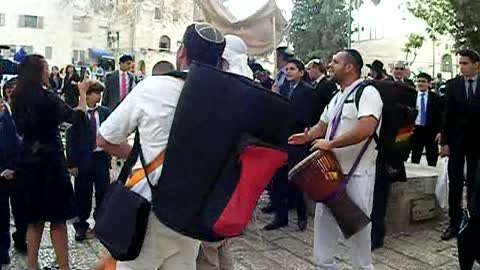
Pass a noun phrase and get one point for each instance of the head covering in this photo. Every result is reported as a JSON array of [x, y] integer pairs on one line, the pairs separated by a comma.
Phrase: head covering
[[377, 65], [236, 54], [204, 43], [424, 76]]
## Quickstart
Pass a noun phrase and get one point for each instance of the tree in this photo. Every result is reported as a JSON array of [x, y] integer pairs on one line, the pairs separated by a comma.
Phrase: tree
[[458, 18], [414, 43], [318, 28]]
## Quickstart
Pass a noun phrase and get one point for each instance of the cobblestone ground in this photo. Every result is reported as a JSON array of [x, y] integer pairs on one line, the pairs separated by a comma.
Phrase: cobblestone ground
[[290, 249]]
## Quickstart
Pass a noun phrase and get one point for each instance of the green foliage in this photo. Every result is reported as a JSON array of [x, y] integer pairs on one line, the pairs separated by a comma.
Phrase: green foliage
[[458, 18], [318, 28], [413, 43]]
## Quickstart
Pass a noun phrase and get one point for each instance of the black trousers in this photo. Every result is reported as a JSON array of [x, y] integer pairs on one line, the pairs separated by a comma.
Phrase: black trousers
[[10, 195], [93, 170], [460, 153], [282, 190], [424, 138], [381, 193]]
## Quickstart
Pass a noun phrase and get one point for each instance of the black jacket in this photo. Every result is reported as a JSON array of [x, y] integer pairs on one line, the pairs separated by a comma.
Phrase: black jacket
[[80, 139], [434, 112], [111, 95], [324, 91], [461, 115]]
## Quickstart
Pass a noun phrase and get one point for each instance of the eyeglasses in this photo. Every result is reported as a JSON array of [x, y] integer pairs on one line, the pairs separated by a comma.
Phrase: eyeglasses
[[399, 68]]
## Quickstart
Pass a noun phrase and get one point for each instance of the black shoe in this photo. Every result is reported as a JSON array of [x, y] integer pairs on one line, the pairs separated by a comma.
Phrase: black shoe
[[267, 209], [276, 224], [4, 260], [20, 246], [302, 224], [449, 233]]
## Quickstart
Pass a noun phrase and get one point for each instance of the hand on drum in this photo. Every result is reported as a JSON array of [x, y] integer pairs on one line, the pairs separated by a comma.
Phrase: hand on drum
[[299, 138], [321, 144]]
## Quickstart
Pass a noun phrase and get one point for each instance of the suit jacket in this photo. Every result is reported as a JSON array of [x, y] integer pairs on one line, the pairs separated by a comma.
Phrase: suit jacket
[[324, 91], [461, 115], [9, 142], [80, 139], [302, 113], [111, 95], [434, 112]]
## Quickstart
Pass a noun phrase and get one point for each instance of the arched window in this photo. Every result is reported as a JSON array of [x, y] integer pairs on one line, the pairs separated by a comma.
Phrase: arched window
[[165, 43], [447, 63]]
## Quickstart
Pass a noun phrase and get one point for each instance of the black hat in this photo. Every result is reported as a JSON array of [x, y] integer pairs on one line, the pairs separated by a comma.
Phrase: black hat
[[377, 65], [126, 57], [425, 76]]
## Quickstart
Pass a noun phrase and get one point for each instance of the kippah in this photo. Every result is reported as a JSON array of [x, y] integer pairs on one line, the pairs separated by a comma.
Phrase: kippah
[[209, 33]]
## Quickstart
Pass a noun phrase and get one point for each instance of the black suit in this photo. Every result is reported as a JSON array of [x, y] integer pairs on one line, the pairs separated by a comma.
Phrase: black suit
[[324, 91], [424, 136], [93, 168], [302, 114], [111, 95], [460, 132]]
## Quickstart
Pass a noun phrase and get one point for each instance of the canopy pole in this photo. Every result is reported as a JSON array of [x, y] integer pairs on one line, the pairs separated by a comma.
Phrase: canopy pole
[[274, 44]]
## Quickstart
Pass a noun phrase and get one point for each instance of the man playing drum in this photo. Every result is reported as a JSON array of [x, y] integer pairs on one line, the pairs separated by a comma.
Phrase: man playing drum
[[354, 126]]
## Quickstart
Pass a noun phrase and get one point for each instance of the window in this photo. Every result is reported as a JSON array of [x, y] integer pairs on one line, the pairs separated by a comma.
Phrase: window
[[28, 21], [165, 43], [2, 19], [158, 13], [48, 52], [447, 63], [78, 56], [176, 15]]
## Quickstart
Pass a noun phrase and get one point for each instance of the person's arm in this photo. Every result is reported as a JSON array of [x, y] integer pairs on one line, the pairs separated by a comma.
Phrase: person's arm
[[114, 131], [365, 128]]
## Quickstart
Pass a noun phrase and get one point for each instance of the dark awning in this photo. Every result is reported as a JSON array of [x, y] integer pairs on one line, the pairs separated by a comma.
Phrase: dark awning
[[99, 53]]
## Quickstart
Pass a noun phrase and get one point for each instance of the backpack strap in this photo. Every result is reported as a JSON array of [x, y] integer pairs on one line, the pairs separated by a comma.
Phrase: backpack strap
[[358, 95], [177, 74]]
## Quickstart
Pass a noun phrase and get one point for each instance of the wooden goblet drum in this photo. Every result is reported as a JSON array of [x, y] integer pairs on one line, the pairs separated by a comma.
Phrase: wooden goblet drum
[[321, 178]]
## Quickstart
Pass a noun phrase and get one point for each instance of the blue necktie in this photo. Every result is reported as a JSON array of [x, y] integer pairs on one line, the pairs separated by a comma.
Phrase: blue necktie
[[423, 110]]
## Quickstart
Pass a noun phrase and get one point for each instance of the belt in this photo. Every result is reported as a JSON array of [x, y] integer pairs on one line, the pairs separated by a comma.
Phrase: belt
[[139, 174]]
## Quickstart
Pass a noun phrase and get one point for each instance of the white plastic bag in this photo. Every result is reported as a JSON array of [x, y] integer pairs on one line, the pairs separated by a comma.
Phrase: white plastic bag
[[441, 188]]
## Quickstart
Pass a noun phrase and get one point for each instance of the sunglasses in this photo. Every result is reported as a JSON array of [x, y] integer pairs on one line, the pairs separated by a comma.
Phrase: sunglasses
[[399, 68]]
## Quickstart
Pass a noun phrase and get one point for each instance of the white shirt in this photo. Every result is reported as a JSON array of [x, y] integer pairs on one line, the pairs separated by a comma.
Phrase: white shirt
[[370, 104], [97, 121], [317, 81], [150, 106], [419, 104]]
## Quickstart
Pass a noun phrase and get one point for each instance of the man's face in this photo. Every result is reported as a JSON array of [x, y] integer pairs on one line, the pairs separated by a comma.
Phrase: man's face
[[339, 67], [423, 85], [125, 66], [467, 67], [399, 71], [313, 72], [281, 63]]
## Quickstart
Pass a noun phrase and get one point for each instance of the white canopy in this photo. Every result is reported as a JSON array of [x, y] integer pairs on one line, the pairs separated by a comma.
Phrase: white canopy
[[256, 30]]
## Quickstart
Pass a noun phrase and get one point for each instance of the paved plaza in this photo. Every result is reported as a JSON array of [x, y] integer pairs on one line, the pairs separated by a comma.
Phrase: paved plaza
[[290, 249]]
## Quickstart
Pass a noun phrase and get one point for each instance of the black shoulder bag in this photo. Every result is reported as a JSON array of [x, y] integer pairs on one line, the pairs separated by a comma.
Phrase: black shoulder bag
[[122, 221]]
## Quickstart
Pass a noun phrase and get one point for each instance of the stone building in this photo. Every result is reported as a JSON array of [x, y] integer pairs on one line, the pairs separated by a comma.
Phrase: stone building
[[72, 31]]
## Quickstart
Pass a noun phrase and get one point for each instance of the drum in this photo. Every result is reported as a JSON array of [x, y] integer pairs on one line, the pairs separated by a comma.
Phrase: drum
[[319, 175], [321, 178]]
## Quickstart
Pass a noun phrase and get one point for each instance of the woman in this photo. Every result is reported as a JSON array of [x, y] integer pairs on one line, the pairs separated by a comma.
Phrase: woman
[[70, 90], [302, 114], [41, 170], [55, 82]]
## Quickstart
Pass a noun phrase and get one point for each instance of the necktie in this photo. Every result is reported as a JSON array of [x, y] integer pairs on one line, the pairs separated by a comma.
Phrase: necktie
[[93, 126], [470, 89], [423, 110], [123, 86]]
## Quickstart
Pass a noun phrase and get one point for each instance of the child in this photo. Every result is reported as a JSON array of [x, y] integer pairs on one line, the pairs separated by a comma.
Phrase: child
[[89, 164]]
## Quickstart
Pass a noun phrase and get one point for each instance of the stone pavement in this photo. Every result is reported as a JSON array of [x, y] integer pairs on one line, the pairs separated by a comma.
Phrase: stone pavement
[[290, 249]]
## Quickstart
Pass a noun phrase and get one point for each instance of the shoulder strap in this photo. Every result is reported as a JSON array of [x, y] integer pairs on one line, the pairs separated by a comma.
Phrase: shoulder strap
[[358, 95], [177, 74], [142, 160]]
